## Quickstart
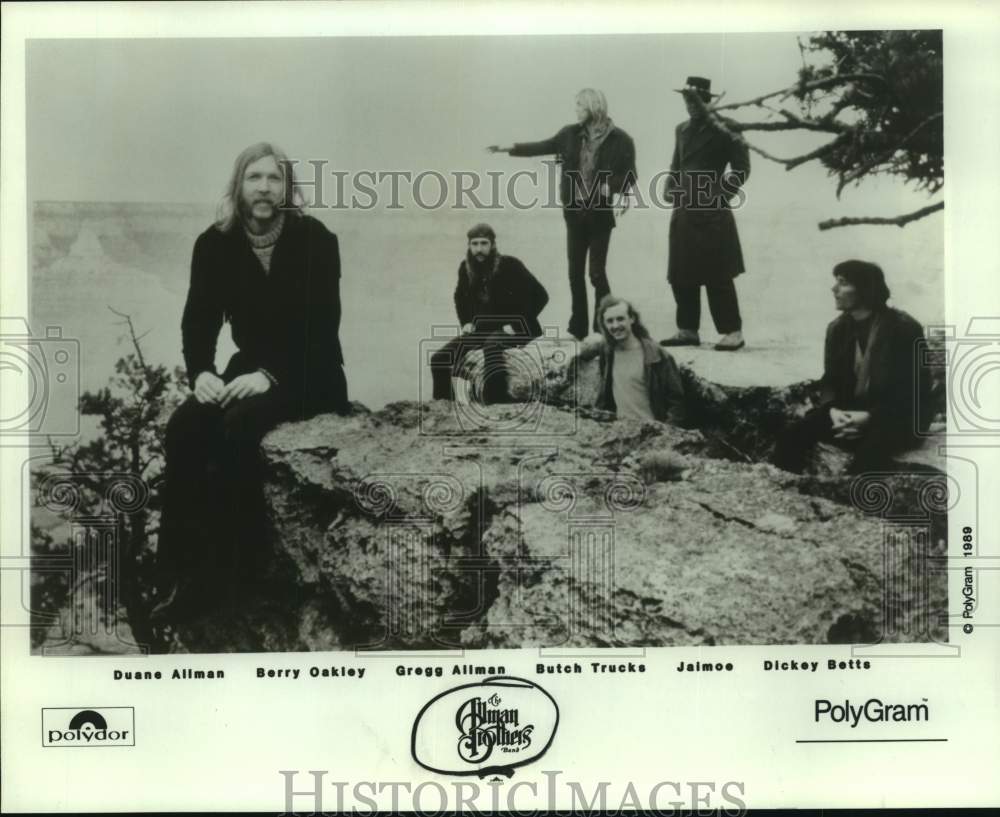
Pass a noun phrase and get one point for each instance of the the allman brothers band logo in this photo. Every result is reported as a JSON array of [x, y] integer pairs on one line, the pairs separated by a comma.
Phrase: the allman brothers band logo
[[484, 725], [487, 728]]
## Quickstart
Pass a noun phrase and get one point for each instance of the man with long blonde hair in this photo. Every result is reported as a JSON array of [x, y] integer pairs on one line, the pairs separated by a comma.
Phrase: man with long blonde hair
[[232, 208], [597, 161], [639, 379], [272, 273]]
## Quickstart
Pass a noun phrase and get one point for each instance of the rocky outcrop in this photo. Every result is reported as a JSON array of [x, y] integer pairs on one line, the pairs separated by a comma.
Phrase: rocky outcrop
[[413, 527], [544, 523]]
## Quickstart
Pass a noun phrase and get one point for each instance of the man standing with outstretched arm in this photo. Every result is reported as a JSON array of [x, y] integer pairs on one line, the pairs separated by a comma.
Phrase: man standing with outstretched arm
[[272, 273], [598, 165], [704, 245]]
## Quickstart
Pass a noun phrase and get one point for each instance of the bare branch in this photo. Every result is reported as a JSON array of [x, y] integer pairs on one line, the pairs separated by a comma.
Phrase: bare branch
[[822, 150], [732, 129], [899, 221], [803, 87], [822, 125], [135, 340]]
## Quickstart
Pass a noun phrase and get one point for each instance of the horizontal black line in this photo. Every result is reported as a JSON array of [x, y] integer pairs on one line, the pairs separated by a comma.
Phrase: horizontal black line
[[877, 740]]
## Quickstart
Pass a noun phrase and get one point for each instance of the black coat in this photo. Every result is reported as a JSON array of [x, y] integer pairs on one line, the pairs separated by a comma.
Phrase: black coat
[[285, 321], [615, 164], [894, 392], [704, 245], [514, 297]]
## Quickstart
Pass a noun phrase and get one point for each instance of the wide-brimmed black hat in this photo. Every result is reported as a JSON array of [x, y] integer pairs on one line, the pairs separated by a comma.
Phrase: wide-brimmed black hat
[[698, 85]]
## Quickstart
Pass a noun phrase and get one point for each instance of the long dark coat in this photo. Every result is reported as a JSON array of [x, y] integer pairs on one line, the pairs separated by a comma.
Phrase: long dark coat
[[285, 321], [704, 245]]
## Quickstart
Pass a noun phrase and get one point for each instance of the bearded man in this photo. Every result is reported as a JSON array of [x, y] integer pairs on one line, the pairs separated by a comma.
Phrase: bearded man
[[272, 273], [498, 302]]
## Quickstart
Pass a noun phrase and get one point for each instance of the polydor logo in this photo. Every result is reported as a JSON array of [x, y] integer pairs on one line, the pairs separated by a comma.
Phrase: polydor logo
[[73, 726]]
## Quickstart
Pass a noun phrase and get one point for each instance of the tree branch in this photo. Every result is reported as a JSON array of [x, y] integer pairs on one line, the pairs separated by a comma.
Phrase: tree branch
[[899, 221], [857, 173], [135, 340], [823, 125], [803, 87]]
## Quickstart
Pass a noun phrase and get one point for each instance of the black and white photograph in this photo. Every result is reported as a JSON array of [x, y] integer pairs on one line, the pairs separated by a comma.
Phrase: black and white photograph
[[680, 380], [456, 384]]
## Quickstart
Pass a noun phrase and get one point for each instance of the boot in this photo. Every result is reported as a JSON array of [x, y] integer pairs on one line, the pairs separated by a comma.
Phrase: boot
[[730, 342], [684, 337]]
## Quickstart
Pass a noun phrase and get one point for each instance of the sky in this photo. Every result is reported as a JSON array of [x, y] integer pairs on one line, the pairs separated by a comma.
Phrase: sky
[[162, 120]]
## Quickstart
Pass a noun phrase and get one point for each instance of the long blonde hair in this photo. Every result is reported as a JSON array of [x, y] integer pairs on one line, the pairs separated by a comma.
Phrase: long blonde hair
[[594, 103], [610, 300], [228, 212]]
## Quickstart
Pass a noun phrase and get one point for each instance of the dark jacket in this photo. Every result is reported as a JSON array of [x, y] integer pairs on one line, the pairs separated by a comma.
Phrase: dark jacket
[[285, 321], [704, 245], [895, 391], [514, 297], [663, 380], [615, 164]]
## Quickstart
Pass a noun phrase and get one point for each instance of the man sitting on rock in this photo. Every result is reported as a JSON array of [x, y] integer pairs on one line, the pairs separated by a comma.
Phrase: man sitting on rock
[[273, 273], [498, 303], [639, 379], [870, 391]]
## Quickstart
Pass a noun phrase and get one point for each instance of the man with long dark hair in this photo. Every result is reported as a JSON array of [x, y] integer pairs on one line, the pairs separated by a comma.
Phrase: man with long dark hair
[[871, 393], [498, 302], [639, 379], [272, 273], [598, 166]]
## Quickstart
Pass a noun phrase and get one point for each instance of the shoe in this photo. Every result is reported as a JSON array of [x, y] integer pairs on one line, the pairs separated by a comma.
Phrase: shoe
[[682, 338], [730, 343]]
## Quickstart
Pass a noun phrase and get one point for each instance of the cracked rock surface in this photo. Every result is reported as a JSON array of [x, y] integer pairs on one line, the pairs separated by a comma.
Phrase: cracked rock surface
[[533, 524], [411, 527]]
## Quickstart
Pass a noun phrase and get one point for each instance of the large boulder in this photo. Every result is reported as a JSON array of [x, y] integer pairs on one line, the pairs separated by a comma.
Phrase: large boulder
[[546, 523], [423, 526]]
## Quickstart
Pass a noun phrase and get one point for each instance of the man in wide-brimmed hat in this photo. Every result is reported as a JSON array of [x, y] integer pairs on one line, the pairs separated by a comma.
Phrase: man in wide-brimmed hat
[[704, 245]]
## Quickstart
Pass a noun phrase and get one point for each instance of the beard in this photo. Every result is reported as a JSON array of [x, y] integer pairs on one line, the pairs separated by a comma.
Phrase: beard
[[480, 272], [480, 267], [252, 209]]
